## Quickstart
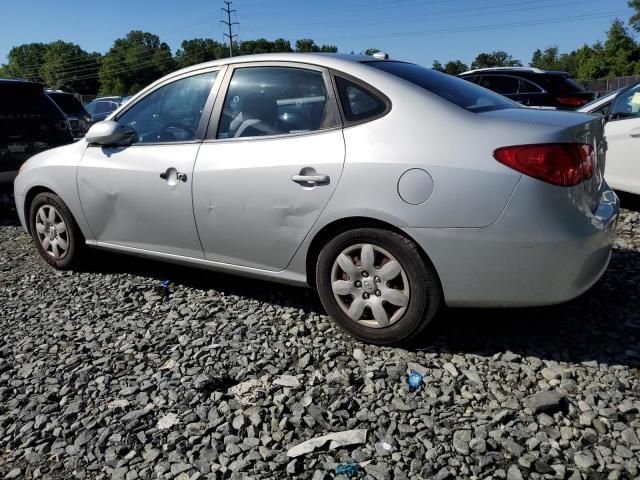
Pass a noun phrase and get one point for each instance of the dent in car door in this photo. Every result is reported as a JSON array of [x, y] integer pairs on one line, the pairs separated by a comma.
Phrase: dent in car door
[[140, 196], [259, 188]]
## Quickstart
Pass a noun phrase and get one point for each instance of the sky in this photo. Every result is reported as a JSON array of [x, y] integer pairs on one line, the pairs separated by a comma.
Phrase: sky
[[413, 30]]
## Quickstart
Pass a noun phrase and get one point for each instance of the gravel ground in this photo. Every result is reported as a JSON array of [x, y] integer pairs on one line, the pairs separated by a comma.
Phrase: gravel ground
[[105, 374]]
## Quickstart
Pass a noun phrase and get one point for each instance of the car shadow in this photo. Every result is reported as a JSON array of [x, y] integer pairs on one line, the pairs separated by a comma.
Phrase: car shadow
[[601, 325], [8, 214], [629, 201]]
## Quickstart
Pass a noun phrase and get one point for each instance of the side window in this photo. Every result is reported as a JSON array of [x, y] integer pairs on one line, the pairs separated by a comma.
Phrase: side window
[[264, 101], [358, 103], [90, 108], [528, 87], [172, 112], [472, 78], [103, 107], [627, 104], [500, 84]]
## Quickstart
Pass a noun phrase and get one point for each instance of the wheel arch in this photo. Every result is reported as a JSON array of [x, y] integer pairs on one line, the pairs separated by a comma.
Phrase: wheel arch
[[28, 199], [350, 223]]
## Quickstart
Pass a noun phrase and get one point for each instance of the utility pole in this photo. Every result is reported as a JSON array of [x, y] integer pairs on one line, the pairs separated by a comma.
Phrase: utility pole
[[229, 24]]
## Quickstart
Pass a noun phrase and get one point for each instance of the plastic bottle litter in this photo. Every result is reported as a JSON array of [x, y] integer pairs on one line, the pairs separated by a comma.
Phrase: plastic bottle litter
[[415, 380], [348, 469], [165, 283]]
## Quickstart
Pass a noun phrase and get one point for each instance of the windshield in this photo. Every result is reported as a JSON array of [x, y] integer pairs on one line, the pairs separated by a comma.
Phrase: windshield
[[460, 92], [67, 103]]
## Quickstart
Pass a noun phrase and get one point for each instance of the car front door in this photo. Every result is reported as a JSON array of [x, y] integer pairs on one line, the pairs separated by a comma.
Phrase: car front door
[[622, 170], [140, 196], [273, 157]]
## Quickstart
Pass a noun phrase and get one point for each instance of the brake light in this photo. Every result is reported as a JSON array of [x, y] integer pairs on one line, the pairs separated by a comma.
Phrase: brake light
[[563, 164], [571, 101]]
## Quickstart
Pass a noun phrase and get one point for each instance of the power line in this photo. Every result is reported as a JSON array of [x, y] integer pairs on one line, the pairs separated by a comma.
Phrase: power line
[[229, 24]]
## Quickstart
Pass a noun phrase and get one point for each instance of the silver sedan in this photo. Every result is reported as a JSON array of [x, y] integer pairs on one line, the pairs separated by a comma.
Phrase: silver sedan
[[391, 188]]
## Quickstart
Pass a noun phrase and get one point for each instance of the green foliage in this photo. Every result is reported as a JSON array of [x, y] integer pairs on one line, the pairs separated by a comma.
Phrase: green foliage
[[25, 61], [437, 66], [455, 67], [305, 45], [133, 63], [634, 21], [199, 50], [499, 58]]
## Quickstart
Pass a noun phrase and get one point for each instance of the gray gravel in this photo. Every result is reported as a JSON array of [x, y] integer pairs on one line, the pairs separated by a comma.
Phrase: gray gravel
[[103, 374]]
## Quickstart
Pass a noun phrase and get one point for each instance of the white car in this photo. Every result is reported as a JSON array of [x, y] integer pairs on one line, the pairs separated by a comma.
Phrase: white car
[[622, 132]]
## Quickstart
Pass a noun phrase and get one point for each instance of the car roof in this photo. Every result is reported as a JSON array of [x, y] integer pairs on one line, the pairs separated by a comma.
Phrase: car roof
[[17, 81], [330, 60], [538, 71]]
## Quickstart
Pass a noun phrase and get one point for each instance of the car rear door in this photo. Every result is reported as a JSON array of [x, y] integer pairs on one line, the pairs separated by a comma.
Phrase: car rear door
[[623, 139], [140, 196], [272, 159]]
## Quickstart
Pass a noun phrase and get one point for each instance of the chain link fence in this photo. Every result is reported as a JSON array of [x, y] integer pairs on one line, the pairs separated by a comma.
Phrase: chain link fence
[[606, 85]]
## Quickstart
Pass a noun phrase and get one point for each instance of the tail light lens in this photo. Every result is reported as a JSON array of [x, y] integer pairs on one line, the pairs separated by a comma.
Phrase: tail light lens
[[563, 164], [571, 101]]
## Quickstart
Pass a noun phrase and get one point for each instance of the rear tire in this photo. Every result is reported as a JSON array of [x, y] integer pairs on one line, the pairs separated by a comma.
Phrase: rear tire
[[54, 231], [376, 285]]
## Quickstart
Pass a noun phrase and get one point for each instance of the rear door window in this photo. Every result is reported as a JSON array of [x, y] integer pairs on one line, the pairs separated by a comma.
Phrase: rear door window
[[264, 101], [627, 104], [358, 103], [501, 84]]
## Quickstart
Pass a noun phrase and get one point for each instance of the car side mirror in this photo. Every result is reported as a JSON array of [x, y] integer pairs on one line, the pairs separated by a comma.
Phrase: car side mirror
[[110, 133]]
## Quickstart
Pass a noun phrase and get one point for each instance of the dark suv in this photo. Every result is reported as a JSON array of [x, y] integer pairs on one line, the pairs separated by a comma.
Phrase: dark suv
[[30, 122], [79, 119], [532, 87]]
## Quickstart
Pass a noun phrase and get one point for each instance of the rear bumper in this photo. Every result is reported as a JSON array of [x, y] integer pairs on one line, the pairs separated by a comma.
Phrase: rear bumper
[[523, 259]]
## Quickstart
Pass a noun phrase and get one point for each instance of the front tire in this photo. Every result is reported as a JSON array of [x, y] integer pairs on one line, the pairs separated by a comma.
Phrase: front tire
[[54, 231], [376, 285]]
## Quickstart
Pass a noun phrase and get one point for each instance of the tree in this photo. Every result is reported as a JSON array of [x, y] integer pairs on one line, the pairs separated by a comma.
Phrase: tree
[[634, 21], [66, 66], [547, 60], [455, 67], [199, 50], [437, 66], [25, 61], [620, 50], [498, 58], [308, 45], [133, 63]]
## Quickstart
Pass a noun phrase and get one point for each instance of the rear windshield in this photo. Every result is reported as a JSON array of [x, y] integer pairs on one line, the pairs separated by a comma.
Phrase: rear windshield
[[460, 92], [68, 103]]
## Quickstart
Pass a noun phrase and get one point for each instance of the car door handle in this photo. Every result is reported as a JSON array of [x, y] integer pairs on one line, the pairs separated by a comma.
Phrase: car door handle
[[635, 133], [316, 179], [180, 176]]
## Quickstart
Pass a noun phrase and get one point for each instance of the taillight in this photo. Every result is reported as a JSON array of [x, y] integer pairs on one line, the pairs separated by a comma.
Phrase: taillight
[[571, 101], [563, 164]]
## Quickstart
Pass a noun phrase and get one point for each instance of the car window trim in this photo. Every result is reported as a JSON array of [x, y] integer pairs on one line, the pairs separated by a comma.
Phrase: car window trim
[[542, 90], [365, 86], [206, 111], [331, 114], [614, 102]]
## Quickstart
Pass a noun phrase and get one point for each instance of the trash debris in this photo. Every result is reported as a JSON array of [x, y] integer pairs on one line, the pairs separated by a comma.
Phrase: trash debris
[[169, 364], [348, 469], [249, 391], [338, 439], [165, 283], [415, 380], [385, 446]]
